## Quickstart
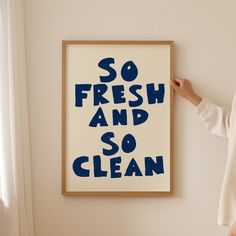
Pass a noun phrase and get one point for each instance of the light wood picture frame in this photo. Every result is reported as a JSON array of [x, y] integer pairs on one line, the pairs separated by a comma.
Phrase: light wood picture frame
[[117, 117]]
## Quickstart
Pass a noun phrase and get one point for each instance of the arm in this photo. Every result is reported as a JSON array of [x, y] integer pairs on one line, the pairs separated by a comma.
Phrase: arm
[[216, 118], [232, 229]]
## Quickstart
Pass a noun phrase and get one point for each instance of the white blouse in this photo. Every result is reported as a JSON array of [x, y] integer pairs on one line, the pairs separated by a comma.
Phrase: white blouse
[[222, 122]]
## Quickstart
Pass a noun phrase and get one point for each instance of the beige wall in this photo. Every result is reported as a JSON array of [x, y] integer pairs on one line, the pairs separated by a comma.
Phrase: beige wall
[[205, 36]]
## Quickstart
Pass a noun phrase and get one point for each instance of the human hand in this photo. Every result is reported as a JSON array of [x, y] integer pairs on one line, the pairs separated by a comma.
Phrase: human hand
[[232, 230], [184, 88]]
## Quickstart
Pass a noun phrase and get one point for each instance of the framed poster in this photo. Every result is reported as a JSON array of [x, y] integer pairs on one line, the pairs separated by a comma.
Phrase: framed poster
[[117, 112]]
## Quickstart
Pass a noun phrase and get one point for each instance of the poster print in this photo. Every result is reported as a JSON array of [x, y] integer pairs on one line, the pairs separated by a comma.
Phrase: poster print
[[117, 117]]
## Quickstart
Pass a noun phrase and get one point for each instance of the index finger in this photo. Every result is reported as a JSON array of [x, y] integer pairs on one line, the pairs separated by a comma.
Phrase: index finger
[[178, 79]]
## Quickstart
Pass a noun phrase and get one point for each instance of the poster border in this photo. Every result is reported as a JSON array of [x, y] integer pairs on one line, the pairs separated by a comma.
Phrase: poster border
[[64, 191]]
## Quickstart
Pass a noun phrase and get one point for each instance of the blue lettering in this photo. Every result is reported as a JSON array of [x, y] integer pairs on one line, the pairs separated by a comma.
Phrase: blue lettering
[[79, 95], [99, 90], [118, 94], [105, 64], [155, 96], [98, 172], [77, 166], [106, 138], [133, 89], [152, 166], [119, 117], [128, 143], [98, 118], [139, 116], [114, 165], [129, 71], [133, 168]]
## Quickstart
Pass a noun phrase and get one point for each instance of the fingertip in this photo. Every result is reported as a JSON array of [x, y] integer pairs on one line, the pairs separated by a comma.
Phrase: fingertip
[[179, 79], [173, 85]]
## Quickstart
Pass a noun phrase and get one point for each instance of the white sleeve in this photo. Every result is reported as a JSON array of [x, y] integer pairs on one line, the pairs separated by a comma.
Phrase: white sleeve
[[215, 117]]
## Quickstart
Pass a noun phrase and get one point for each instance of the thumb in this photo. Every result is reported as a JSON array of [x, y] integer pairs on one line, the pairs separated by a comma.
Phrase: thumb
[[174, 85]]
